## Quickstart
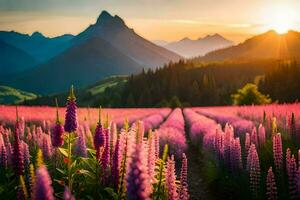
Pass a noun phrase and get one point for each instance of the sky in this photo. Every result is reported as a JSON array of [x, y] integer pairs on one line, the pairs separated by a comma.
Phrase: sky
[[168, 20]]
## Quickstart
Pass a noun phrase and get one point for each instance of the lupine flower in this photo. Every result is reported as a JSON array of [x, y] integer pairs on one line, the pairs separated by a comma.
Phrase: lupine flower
[[156, 139], [68, 195], [261, 135], [3, 157], [17, 153], [80, 148], [235, 155], [71, 122], [113, 135], [43, 185], [116, 164], [183, 190], [171, 180], [151, 157], [247, 142], [292, 177], [46, 146], [277, 151], [138, 185], [26, 154], [105, 158], [58, 131], [99, 136], [271, 186], [254, 171]]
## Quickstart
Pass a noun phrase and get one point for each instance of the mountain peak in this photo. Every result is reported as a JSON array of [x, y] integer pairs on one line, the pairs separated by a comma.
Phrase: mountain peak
[[105, 18], [37, 34]]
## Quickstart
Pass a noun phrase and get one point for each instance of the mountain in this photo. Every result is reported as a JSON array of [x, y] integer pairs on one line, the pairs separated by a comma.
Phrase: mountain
[[105, 48], [37, 45], [269, 45], [13, 60], [160, 42], [80, 65], [192, 48], [87, 96], [114, 30], [10, 95]]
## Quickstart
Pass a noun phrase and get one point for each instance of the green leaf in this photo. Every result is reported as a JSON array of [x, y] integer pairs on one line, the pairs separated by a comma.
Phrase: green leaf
[[111, 192], [64, 152], [61, 171]]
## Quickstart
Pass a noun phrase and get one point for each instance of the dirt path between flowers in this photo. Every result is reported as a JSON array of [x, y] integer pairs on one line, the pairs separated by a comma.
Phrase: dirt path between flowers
[[197, 187]]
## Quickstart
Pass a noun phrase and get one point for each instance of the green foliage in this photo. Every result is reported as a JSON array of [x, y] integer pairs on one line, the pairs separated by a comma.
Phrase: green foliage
[[10, 95], [249, 95]]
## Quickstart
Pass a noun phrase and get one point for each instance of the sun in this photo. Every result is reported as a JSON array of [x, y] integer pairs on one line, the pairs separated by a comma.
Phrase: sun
[[280, 18]]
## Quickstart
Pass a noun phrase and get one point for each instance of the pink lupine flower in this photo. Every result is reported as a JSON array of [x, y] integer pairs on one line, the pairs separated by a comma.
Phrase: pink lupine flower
[[236, 155], [292, 177], [247, 143], [113, 135], [3, 156], [156, 139], [171, 180], [277, 151], [271, 186], [42, 187], [26, 154], [17, 152], [183, 189], [138, 184], [68, 195], [151, 157], [254, 171], [261, 135]]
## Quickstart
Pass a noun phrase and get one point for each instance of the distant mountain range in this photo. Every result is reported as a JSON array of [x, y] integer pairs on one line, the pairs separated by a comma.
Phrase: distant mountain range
[[10, 95], [105, 48], [192, 48], [269, 45]]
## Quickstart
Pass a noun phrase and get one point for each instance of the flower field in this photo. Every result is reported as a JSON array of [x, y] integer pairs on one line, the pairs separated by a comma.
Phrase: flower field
[[249, 152]]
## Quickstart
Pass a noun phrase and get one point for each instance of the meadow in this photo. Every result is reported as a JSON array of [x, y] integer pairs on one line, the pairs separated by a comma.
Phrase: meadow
[[230, 152]]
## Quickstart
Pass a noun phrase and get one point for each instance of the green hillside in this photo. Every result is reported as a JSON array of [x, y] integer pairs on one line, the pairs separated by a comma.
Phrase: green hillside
[[9, 95], [87, 96]]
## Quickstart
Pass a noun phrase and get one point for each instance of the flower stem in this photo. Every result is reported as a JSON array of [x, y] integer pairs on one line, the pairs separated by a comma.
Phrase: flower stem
[[69, 161]]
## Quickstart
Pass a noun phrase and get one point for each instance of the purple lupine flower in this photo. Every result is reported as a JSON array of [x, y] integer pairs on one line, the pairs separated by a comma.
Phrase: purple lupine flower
[[68, 195], [57, 135], [99, 139], [138, 185], [116, 164], [80, 148], [46, 146], [171, 180], [254, 138], [58, 131], [183, 190], [17, 153], [71, 122], [3, 157], [113, 135], [271, 186], [277, 151], [26, 154], [43, 185], [105, 158], [10, 152]]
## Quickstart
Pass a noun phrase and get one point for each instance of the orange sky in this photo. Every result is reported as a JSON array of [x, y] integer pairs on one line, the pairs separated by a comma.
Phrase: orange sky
[[154, 19]]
